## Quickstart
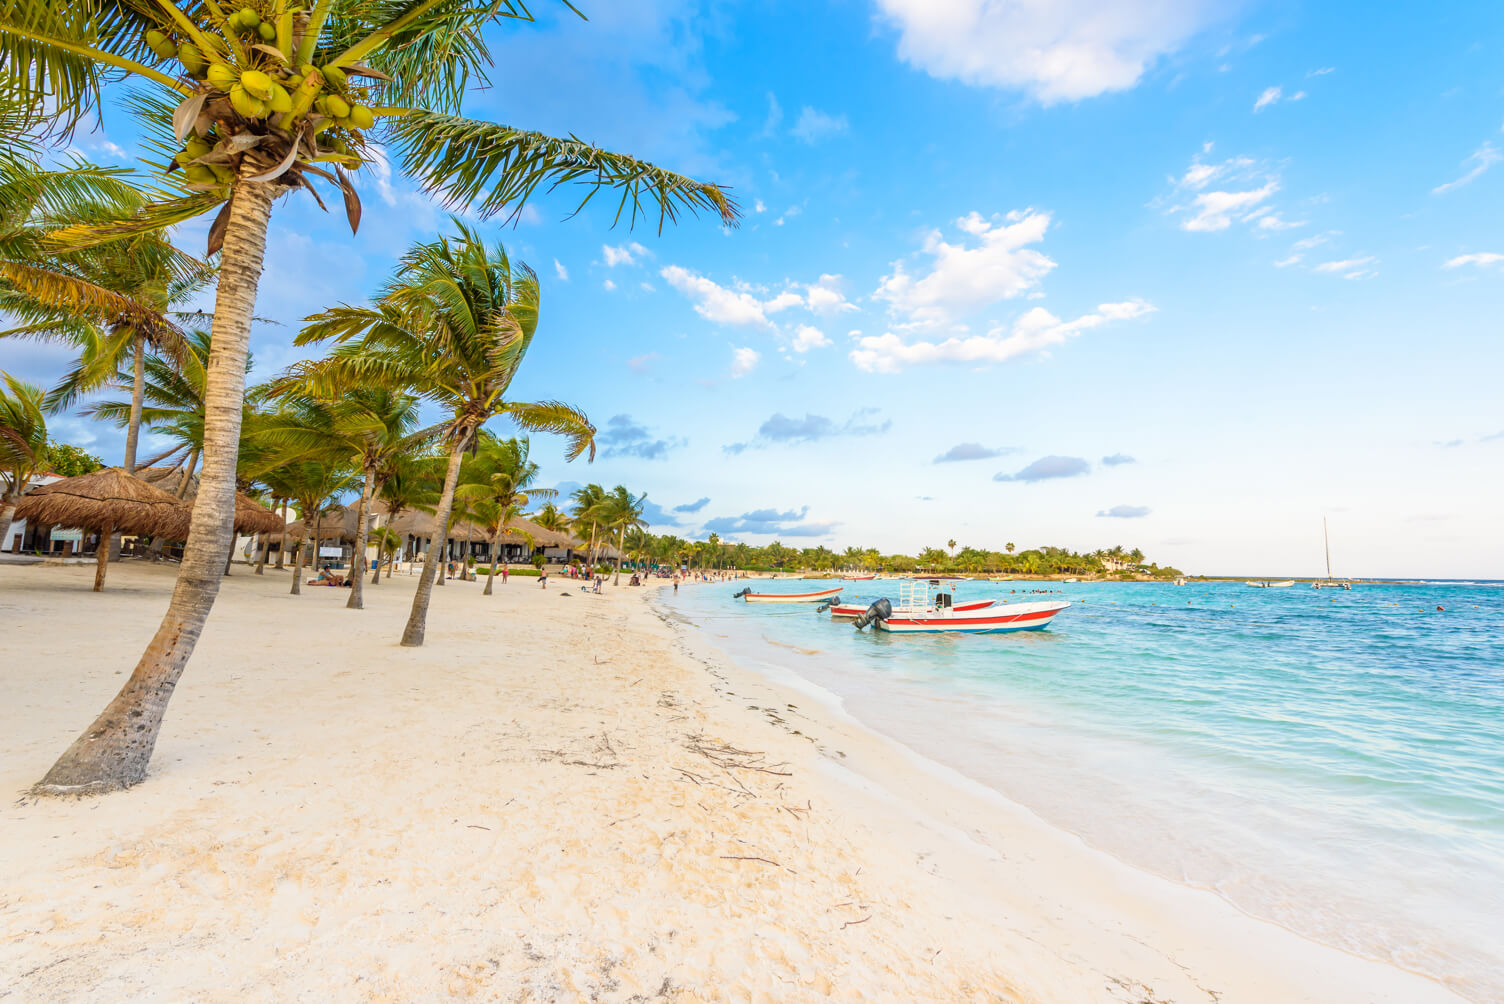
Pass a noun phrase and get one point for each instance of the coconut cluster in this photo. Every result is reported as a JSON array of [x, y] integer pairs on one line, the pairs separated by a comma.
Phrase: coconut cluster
[[257, 74]]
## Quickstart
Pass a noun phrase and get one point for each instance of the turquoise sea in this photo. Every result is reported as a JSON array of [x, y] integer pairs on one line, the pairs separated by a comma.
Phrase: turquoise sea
[[1331, 761]]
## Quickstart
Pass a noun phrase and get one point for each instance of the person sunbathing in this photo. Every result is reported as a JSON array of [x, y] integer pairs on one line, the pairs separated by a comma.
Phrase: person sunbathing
[[327, 578]]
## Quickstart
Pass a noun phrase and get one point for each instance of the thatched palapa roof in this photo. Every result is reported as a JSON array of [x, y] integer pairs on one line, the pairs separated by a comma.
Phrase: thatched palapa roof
[[107, 500], [253, 517]]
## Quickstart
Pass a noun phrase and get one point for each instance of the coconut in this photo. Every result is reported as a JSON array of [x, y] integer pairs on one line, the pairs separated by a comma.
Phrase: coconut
[[337, 106], [191, 58], [334, 75], [250, 18], [279, 101], [221, 76], [245, 104], [267, 32], [361, 117], [256, 84], [198, 174]]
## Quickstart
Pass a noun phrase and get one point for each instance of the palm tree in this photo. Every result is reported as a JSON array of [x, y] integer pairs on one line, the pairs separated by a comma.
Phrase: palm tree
[[1008, 547], [952, 545], [551, 518], [110, 302], [369, 427], [387, 543], [622, 511], [453, 326], [23, 441], [313, 485], [239, 125], [410, 484], [589, 508], [498, 483]]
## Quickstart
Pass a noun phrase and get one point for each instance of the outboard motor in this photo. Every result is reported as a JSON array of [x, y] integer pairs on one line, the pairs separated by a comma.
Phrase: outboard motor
[[825, 605], [880, 610], [744, 592]]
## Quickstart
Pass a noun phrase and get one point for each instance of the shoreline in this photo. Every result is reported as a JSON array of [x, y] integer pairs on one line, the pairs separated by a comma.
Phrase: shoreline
[[1332, 972], [556, 798]]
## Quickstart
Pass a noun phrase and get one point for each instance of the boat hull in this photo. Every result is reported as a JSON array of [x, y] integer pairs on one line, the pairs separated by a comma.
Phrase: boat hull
[[998, 620], [791, 597]]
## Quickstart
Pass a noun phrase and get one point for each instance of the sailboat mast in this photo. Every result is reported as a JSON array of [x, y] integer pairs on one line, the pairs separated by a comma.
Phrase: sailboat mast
[[1327, 542]]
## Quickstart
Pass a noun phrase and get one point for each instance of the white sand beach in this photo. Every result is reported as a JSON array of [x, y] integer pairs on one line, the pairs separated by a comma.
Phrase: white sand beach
[[555, 799]]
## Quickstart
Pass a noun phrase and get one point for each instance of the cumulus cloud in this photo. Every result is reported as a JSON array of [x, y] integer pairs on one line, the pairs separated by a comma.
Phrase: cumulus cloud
[[781, 429], [825, 296], [973, 451], [694, 506], [627, 254], [1000, 265], [771, 522], [715, 302], [656, 515], [743, 361], [1269, 97], [1125, 512], [608, 285], [1066, 50], [807, 337], [1048, 469], [1036, 331], [1478, 161], [1118, 459], [814, 125], [1482, 259], [623, 437], [1243, 189]]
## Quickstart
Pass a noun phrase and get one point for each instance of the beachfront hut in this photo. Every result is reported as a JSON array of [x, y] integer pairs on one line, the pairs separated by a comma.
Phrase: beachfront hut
[[337, 525], [253, 517], [106, 502]]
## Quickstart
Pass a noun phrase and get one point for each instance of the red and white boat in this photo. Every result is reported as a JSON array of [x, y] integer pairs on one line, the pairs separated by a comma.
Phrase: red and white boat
[[858, 578], [929, 607], [814, 597], [850, 611], [991, 620]]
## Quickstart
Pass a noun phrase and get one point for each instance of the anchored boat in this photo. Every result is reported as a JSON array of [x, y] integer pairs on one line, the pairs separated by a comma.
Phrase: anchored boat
[[1266, 584], [850, 611], [929, 607], [814, 597]]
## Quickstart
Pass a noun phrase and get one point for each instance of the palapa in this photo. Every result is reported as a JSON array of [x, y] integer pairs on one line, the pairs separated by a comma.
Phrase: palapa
[[107, 502], [253, 517]]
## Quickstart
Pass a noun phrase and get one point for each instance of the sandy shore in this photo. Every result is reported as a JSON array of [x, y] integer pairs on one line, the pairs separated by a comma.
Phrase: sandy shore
[[555, 799]]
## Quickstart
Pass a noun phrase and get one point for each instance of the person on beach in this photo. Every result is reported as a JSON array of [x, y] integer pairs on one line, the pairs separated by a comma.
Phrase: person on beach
[[676, 585], [542, 578], [503, 575]]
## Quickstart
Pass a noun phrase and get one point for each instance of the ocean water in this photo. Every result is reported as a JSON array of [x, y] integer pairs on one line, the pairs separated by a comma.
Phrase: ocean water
[[1331, 761]]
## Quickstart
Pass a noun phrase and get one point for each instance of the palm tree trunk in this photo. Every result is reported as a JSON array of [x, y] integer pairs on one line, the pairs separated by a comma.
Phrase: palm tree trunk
[[102, 557], [620, 536], [297, 566], [261, 558], [417, 620], [138, 393], [282, 545], [182, 490], [358, 562], [492, 577], [113, 752]]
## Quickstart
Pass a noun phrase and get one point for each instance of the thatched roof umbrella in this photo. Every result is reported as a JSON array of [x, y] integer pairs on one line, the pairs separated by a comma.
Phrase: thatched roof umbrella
[[253, 517], [518, 526], [106, 502]]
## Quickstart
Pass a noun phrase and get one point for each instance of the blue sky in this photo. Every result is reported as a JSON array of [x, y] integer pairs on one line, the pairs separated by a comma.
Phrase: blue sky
[[1166, 273]]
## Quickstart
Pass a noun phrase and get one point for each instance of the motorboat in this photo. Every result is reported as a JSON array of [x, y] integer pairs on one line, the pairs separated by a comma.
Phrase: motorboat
[[813, 597], [1266, 584], [929, 607], [850, 611]]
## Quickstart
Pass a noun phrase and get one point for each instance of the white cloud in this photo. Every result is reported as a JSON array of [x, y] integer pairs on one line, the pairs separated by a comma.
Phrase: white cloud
[[560, 270], [743, 361], [1294, 259], [1482, 259], [815, 125], [1064, 50], [1035, 331], [1481, 160], [1273, 221], [788, 214], [962, 278], [807, 337], [1298, 96], [1306, 243], [783, 301], [1269, 97], [759, 207], [1214, 210], [627, 254], [1348, 268], [825, 296], [608, 285], [1322, 71], [715, 302]]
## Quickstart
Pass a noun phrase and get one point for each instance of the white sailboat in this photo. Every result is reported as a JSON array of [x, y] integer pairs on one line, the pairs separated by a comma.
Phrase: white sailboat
[[1330, 583]]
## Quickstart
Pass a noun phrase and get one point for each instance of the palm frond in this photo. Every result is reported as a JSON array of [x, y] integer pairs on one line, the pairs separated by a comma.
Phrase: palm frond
[[157, 215], [558, 418], [464, 160]]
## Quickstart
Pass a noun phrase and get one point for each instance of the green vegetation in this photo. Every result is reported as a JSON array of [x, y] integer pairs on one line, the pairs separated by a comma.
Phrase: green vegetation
[[68, 460]]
